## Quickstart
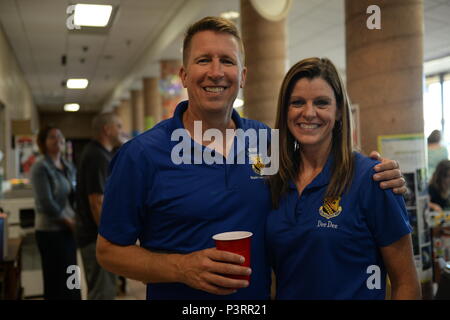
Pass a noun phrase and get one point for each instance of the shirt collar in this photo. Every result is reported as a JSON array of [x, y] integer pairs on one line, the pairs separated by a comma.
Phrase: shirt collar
[[52, 164], [177, 123], [177, 119], [322, 179], [182, 107]]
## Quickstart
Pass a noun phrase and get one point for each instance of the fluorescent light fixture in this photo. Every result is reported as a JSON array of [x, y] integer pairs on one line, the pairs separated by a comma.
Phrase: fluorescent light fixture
[[238, 103], [92, 15], [71, 107], [77, 83], [230, 15]]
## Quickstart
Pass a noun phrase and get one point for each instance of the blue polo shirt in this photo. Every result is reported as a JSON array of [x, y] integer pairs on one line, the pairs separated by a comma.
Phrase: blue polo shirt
[[335, 255], [177, 208]]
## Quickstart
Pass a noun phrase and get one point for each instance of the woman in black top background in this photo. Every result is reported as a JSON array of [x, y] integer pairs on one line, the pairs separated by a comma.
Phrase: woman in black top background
[[439, 188]]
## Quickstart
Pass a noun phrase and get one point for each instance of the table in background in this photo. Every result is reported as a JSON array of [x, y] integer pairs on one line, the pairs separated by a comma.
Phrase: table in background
[[10, 269]]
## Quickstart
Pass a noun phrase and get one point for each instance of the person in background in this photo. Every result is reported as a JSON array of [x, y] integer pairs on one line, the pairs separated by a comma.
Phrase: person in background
[[439, 187], [53, 183], [91, 179], [436, 151], [332, 226]]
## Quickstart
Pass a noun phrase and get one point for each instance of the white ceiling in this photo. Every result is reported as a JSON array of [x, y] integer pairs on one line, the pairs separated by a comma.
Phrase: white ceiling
[[145, 31], [317, 28]]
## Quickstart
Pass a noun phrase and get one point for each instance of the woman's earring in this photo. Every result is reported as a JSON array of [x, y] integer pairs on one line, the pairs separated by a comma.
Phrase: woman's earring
[[296, 146]]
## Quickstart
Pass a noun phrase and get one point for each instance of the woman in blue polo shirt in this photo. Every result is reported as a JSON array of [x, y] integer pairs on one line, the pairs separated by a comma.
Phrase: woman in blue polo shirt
[[333, 233]]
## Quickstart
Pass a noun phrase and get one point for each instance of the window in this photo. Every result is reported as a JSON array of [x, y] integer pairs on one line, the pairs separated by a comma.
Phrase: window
[[446, 108], [436, 108], [432, 105]]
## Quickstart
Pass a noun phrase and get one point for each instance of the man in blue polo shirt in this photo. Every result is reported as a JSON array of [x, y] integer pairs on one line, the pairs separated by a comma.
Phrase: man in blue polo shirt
[[174, 208]]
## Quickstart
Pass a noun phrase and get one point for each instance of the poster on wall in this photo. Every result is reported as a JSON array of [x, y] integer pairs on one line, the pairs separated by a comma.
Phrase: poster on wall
[[410, 151], [26, 154]]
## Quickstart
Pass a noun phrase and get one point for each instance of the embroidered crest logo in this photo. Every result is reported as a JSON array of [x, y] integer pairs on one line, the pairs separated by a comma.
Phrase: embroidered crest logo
[[330, 208], [257, 164]]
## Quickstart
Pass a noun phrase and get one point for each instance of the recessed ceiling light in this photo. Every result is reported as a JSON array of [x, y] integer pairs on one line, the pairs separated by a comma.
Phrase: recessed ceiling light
[[230, 15], [71, 107], [92, 15], [77, 83]]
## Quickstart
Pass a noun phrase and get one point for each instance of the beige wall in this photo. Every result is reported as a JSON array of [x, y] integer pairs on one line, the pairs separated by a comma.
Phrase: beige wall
[[73, 125], [16, 97], [14, 90]]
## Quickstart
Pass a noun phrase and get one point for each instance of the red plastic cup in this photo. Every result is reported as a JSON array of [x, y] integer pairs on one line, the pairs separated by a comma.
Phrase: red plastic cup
[[238, 242]]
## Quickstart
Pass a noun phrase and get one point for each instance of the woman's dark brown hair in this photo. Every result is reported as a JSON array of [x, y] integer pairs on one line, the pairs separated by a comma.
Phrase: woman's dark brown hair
[[42, 137], [437, 180], [342, 146]]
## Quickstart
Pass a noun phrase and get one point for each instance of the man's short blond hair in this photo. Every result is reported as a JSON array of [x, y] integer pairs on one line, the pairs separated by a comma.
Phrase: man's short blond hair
[[216, 24]]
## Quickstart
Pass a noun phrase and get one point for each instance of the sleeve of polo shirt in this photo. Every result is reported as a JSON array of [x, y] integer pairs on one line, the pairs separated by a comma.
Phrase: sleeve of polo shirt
[[122, 217], [385, 211]]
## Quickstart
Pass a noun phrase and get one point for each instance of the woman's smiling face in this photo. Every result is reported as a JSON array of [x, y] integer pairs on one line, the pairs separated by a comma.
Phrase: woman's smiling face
[[312, 113]]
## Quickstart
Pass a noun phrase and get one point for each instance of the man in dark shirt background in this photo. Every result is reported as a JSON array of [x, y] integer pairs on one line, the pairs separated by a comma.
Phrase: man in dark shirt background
[[91, 179]]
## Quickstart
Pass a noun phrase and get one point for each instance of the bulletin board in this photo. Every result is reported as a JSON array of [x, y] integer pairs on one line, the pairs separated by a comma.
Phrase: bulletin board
[[410, 151]]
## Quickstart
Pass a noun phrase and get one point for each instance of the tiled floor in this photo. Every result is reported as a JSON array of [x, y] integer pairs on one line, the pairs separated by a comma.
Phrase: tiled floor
[[32, 277], [135, 290]]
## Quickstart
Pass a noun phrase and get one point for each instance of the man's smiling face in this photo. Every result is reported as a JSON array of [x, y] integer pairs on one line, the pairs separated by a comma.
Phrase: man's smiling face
[[213, 73]]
